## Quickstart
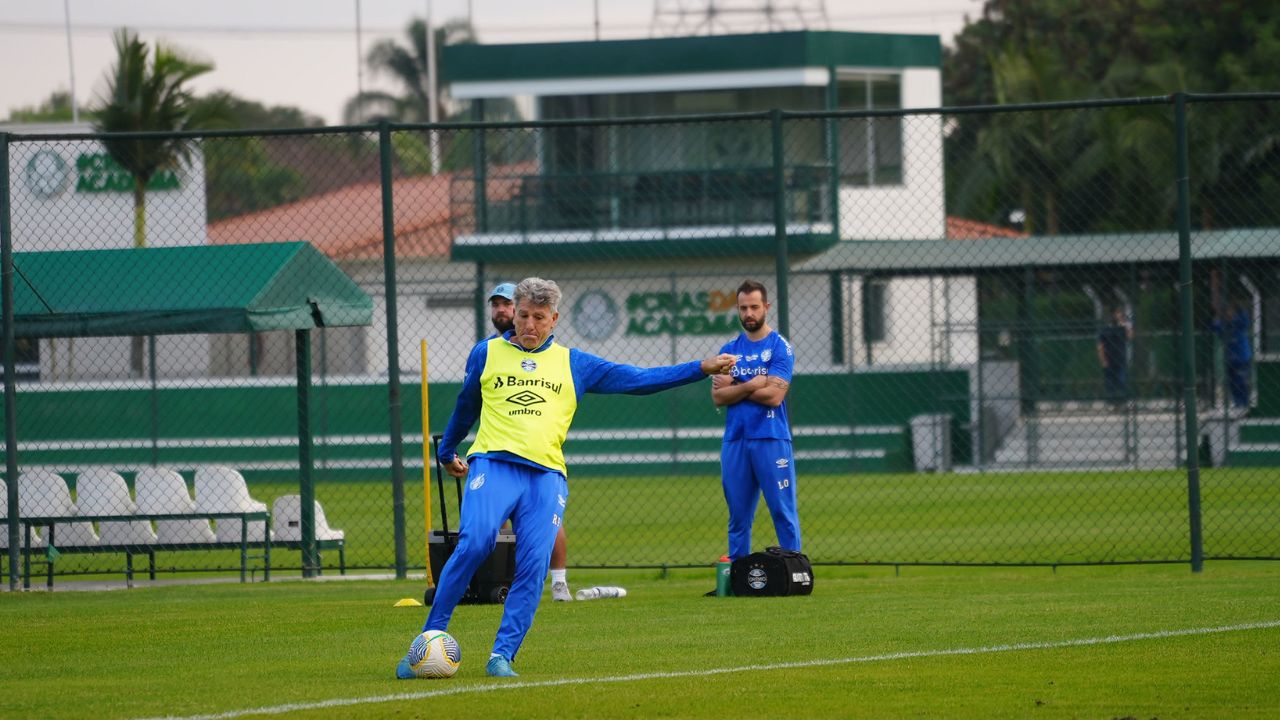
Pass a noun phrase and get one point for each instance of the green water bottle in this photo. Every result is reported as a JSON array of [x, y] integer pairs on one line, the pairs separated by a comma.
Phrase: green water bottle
[[723, 587]]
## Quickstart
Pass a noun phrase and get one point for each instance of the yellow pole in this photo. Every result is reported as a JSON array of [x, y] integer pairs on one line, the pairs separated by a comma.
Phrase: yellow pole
[[426, 468]]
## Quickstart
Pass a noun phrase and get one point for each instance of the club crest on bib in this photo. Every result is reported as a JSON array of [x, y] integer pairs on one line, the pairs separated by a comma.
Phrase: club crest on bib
[[528, 365]]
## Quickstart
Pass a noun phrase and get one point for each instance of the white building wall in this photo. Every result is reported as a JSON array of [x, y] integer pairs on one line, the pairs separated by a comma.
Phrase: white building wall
[[51, 208], [923, 315]]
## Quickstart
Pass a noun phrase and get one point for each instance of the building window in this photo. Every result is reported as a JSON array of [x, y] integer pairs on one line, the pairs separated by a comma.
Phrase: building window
[[874, 322], [870, 148]]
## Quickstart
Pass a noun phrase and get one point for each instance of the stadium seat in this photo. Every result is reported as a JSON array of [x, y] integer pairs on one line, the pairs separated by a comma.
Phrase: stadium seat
[[286, 521], [36, 540], [160, 490], [43, 493], [102, 492], [221, 489]]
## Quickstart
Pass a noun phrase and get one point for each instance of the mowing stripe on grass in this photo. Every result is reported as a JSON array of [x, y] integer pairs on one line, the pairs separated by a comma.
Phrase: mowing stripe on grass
[[911, 654]]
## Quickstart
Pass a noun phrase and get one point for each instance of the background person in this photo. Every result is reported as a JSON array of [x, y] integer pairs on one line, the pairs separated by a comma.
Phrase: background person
[[502, 304], [524, 389], [756, 455], [1113, 355], [1235, 329]]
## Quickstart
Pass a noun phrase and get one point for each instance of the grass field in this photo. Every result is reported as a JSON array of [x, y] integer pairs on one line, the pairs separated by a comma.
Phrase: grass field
[[1009, 518], [1119, 642]]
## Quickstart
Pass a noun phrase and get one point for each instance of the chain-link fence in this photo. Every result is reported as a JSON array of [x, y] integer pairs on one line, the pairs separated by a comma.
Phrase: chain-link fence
[[1023, 335]]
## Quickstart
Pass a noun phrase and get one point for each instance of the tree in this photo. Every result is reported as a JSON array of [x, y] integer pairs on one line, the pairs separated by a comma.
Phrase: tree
[[147, 95], [1108, 170], [244, 173], [55, 108], [409, 67]]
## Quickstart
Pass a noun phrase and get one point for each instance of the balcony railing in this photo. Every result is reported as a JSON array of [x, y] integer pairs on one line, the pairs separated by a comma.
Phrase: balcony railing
[[641, 201]]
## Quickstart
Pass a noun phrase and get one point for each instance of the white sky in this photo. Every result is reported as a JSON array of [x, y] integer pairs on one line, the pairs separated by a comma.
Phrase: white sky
[[303, 52]]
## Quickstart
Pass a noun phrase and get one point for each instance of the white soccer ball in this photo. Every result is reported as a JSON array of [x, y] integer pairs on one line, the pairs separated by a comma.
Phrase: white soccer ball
[[434, 654]]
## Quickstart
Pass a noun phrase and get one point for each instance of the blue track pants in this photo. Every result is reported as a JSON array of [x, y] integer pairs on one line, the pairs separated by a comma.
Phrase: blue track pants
[[534, 500], [749, 468]]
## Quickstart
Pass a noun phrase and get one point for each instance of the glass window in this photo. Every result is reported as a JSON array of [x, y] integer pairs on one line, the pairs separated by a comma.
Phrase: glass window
[[870, 148], [874, 322], [697, 146]]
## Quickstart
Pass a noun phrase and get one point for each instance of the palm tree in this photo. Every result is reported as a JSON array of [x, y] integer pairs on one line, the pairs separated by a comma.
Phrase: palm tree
[[147, 95], [409, 66]]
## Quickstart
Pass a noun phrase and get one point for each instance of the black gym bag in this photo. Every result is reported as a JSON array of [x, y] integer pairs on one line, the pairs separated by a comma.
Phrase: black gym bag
[[772, 572]]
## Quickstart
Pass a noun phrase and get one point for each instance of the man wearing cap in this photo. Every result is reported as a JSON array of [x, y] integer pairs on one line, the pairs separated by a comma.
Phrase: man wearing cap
[[502, 312]]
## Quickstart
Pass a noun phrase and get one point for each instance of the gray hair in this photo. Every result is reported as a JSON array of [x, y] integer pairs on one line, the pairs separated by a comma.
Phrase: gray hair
[[543, 293]]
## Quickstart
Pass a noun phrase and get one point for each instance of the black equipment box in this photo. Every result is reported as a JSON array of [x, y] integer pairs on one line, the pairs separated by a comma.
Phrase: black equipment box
[[493, 578], [772, 572]]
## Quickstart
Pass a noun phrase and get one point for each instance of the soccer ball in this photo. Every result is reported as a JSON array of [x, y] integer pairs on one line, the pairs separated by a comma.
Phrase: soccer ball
[[434, 654]]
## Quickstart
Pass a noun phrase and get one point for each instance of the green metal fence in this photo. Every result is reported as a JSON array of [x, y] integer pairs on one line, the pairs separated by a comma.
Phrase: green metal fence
[[1020, 333]]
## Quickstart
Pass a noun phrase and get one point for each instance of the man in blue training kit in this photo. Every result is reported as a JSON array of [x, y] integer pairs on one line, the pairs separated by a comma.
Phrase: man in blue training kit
[[502, 313], [756, 455], [524, 389]]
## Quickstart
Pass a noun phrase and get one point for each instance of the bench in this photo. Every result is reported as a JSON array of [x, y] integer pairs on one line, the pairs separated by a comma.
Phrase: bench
[[53, 551]]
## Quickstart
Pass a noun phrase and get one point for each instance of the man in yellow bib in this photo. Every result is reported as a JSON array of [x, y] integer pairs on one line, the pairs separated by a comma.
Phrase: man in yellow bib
[[524, 389]]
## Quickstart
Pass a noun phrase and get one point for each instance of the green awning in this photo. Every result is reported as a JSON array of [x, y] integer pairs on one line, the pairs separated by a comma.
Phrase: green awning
[[176, 290], [973, 256]]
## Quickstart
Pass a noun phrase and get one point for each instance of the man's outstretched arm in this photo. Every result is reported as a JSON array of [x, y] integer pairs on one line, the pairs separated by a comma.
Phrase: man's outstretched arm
[[597, 375]]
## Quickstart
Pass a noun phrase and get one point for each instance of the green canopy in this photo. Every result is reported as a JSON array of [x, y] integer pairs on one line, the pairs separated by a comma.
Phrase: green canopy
[[972, 256], [175, 290]]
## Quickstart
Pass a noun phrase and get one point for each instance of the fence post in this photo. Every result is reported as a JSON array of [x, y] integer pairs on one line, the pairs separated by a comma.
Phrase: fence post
[[833, 151], [155, 401], [306, 482], [481, 173], [1186, 306], [780, 223], [393, 348], [481, 303], [10, 402]]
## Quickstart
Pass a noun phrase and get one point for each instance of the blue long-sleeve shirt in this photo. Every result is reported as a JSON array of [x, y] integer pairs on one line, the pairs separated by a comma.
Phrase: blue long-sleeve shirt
[[591, 374]]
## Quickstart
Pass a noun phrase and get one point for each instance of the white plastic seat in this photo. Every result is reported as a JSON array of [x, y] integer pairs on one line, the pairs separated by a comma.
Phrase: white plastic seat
[[36, 540], [102, 492], [43, 493], [286, 521], [221, 489], [160, 490]]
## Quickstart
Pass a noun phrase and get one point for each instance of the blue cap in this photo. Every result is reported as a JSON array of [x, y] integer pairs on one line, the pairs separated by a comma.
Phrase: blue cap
[[506, 290]]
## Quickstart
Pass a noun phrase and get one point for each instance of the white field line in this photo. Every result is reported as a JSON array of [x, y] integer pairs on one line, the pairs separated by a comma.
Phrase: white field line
[[911, 654]]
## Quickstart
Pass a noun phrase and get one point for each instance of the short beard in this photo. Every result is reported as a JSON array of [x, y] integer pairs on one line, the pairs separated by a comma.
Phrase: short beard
[[502, 328], [751, 325]]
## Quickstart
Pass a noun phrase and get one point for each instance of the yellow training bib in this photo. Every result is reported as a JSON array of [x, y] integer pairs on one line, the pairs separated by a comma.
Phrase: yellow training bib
[[528, 403]]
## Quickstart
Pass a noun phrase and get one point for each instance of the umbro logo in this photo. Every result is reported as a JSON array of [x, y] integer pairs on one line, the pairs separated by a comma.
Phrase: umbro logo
[[781, 463], [525, 398]]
